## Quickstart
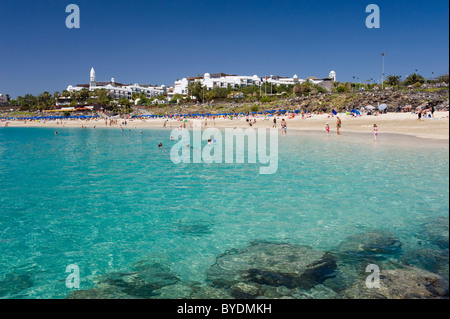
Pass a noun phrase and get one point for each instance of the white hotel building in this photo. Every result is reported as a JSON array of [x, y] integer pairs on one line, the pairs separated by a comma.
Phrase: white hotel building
[[118, 90], [222, 80], [210, 81]]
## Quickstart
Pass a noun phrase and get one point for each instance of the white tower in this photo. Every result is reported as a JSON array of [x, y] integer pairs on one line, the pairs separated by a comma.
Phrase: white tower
[[92, 82], [332, 75]]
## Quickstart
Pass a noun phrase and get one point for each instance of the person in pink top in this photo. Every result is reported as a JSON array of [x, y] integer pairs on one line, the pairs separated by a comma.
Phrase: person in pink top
[[375, 131]]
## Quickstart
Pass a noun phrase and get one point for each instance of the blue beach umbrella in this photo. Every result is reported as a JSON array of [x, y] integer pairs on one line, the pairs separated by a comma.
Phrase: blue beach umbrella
[[382, 107]]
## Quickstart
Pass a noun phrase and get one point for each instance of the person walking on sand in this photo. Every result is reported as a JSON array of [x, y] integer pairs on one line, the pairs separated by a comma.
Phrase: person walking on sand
[[419, 115], [375, 132], [274, 122], [327, 128], [338, 125]]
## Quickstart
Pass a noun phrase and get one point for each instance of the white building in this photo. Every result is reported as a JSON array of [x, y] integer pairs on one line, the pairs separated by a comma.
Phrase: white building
[[222, 80], [118, 90], [214, 80], [3, 100]]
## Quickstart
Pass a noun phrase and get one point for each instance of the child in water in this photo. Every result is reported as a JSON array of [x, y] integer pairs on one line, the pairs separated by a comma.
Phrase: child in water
[[327, 128]]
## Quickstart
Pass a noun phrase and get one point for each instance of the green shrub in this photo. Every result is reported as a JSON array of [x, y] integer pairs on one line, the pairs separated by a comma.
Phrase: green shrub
[[266, 99], [340, 89]]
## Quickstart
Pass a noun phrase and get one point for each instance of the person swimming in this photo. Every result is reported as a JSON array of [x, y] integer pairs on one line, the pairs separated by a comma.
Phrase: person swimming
[[160, 145]]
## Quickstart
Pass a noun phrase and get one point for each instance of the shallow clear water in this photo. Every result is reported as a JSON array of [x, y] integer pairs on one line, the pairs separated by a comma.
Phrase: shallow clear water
[[103, 199]]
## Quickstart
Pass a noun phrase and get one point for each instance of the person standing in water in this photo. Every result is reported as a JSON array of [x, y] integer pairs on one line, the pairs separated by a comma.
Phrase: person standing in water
[[375, 132], [338, 125], [283, 126], [327, 128]]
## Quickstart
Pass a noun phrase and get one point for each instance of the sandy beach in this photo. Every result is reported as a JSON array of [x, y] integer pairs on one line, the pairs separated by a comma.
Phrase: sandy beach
[[398, 123]]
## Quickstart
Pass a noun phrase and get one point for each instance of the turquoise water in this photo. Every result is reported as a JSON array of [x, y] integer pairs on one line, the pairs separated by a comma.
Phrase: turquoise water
[[103, 199]]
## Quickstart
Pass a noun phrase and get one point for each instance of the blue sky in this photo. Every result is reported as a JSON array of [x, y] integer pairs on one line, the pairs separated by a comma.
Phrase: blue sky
[[156, 42]]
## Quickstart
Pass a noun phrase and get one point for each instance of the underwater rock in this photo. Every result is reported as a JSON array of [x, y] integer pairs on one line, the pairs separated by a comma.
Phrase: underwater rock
[[407, 283], [356, 252], [12, 284], [177, 291], [208, 292], [436, 230], [433, 260], [104, 291], [373, 243], [144, 282], [243, 290], [271, 264], [194, 228]]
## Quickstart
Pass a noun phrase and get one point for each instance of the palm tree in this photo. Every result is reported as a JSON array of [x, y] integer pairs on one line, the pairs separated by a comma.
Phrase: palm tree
[[414, 78], [45, 98], [393, 80]]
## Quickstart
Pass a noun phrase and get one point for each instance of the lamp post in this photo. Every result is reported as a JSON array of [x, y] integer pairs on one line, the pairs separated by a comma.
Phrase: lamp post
[[382, 72]]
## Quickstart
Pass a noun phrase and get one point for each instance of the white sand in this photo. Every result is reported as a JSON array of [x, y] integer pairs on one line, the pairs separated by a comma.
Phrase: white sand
[[399, 123]]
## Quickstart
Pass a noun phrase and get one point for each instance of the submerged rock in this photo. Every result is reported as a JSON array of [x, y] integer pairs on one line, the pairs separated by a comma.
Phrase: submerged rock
[[248, 269], [104, 291], [370, 244], [407, 283], [142, 283], [145, 282], [436, 230], [433, 260], [13, 284], [194, 228], [208, 292], [356, 252]]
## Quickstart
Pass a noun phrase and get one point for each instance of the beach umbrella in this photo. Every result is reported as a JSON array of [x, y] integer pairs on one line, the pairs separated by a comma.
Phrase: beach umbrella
[[356, 112], [370, 107], [382, 107]]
